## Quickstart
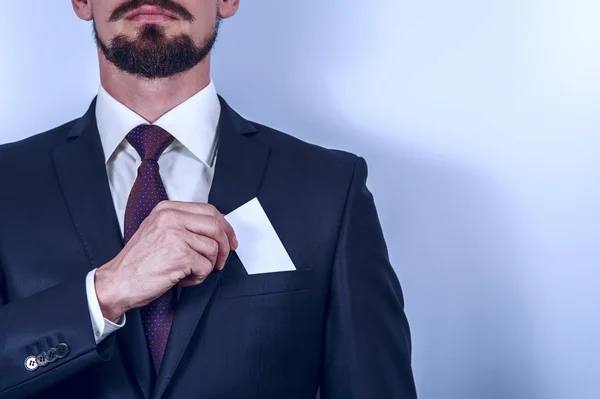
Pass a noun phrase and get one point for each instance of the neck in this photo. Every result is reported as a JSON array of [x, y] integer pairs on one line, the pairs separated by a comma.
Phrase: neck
[[151, 99]]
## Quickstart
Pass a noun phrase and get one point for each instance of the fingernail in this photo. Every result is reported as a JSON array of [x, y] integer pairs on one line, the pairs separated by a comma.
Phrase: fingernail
[[236, 244]]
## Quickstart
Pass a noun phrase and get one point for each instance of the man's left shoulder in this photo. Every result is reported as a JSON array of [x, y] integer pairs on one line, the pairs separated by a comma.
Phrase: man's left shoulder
[[301, 155]]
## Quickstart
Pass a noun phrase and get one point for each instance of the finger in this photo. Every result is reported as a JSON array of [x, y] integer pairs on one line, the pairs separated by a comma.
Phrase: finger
[[201, 268], [200, 209], [233, 242], [202, 245], [212, 228], [224, 250], [190, 281]]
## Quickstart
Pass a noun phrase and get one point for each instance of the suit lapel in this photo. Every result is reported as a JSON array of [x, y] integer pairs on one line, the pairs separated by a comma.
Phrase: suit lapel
[[238, 173], [81, 171], [132, 342]]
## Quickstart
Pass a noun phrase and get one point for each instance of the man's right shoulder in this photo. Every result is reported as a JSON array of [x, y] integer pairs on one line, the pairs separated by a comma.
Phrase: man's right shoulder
[[38, 145]]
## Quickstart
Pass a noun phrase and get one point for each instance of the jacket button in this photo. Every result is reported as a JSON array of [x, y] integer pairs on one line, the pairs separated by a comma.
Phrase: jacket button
[[31, 363], [62, 350]]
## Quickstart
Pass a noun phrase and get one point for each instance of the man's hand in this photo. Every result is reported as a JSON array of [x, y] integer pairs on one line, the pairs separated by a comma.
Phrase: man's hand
[[178, 243]]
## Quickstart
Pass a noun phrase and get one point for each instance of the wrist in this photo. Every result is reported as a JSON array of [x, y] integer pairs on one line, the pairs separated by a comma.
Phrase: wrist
[[111, 303]]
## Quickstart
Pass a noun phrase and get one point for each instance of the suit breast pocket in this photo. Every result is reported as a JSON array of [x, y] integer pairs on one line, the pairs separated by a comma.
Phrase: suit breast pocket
[[238, 285]]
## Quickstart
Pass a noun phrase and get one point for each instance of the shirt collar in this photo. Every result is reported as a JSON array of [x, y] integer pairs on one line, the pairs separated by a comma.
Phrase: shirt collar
[[193, 123]]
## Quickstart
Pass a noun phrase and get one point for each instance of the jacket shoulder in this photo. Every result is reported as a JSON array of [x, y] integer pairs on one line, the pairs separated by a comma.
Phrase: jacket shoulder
[[299, 150], [37, 145]]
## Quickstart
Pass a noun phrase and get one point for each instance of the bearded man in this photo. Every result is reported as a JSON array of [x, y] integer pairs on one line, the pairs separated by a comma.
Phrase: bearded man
[[120, 275]]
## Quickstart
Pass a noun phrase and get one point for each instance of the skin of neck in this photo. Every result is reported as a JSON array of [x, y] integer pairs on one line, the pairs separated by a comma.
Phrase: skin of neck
[[152, 98]]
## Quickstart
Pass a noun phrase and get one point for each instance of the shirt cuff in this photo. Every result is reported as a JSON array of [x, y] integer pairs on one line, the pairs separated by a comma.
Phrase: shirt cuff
[[101, 326]]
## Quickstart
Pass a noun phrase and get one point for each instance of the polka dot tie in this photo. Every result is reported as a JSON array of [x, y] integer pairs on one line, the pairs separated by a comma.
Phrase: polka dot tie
[[150, 141]]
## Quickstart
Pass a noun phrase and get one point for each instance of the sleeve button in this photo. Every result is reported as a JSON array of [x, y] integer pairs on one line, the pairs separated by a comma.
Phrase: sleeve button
[[31, 363], [51, 355], [42, 360], [62, 350]]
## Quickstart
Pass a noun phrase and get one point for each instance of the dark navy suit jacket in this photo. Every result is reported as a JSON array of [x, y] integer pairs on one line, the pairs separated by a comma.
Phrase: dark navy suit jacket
[[336, 323]]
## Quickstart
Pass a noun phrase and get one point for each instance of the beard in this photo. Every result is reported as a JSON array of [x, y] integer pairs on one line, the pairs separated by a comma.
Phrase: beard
[[153, 55]]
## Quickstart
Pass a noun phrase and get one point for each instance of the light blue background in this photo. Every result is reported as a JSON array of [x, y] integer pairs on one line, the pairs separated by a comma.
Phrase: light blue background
[[480, 122]]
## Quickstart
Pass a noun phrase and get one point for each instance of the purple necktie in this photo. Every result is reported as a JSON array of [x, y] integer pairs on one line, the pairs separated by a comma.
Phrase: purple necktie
[[150, 141]]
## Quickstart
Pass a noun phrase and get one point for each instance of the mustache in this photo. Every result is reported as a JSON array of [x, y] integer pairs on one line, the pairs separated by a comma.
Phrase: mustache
[[168, 5]]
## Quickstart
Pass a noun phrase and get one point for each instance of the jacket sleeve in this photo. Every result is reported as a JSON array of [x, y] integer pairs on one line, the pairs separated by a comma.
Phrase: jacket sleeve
[[38, 323], [367, 347]]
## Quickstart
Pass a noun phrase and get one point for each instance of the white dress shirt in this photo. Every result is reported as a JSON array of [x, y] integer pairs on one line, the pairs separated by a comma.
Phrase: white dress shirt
[[186, 166]]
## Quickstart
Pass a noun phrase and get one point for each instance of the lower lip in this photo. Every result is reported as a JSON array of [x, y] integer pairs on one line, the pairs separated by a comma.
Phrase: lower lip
[[151, 18]]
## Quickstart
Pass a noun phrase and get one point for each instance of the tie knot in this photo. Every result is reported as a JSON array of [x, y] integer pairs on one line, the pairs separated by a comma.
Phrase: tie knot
[[149, 141]]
